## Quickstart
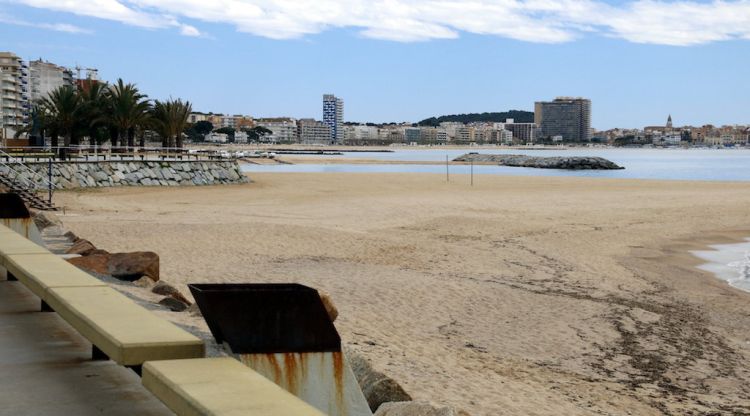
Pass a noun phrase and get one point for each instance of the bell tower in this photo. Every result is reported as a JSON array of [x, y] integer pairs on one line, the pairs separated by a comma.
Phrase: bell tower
[[669, 122]]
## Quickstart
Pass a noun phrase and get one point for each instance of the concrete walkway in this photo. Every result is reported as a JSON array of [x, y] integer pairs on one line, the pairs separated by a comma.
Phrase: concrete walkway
[[46, 367]]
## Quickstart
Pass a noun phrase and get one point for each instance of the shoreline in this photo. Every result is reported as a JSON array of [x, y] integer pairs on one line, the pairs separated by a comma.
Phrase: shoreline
[[519, 295]]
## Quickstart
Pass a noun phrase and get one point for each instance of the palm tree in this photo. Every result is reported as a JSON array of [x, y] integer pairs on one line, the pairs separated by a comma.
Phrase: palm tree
[[94, 103], [162, 121], [127, 109], [169, 120], [64, 111], [182, 112]]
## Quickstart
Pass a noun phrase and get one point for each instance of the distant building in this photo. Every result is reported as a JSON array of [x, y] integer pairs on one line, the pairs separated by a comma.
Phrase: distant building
[[522, 133], [14, 94], [312, 131], [412, 134], [361, 133], [196, 117], [333, 116], [428, 135], [283, 130], [240, 137], [464, 135], [217, 138], [564, 116], [45, 77]]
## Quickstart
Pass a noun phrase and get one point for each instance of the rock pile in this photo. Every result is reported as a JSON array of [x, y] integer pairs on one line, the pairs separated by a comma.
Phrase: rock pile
[[140, 267], [554, 162], [67, 175], [376, 386]]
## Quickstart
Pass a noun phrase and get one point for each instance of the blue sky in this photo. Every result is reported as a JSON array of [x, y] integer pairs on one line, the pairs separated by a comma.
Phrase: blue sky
[[399, 60]]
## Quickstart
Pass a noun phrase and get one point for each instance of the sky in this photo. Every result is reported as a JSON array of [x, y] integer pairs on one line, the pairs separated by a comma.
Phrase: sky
[[406, 60]]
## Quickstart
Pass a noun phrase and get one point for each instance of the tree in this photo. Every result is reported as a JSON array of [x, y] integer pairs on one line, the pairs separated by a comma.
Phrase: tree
[[95, 118], [127, 109], [64, 111], [228, 131], [169, 119], [257, 133], [199, 130]]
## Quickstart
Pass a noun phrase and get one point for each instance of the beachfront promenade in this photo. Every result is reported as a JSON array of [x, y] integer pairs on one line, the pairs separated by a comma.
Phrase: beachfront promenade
[[48, 370], [77, 361]]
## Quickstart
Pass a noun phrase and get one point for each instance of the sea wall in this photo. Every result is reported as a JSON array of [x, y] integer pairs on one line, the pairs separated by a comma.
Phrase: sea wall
[[69, 175]]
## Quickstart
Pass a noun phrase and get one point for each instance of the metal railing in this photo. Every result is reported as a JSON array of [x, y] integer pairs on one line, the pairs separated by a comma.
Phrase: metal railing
[[26, 177], [113, 153]]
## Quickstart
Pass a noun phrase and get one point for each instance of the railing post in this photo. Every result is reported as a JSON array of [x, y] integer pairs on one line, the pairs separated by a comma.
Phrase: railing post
[[49, 180]]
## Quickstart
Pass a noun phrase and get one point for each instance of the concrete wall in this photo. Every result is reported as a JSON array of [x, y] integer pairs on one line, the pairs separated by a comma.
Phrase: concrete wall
[[68, 175]]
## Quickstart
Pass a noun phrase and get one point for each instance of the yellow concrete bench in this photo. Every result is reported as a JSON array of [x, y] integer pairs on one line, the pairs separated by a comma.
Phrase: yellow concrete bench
[[13, 243], [221, 387], [36, 267], [120, 329], [39, 272], [117, 327]]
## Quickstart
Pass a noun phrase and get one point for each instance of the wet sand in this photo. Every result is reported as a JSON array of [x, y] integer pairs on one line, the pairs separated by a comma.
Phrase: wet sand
[[520, 295]]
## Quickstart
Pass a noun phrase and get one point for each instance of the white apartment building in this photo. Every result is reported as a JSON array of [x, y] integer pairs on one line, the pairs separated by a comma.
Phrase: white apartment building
[[45, 77], [284, 130], [450, 128], [361, 133], [196, 117], [240, 137], [14, 94], [523, 133], [216, 138]]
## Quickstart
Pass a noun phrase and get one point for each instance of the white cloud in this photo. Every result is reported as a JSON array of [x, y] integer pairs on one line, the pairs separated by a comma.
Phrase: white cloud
[[188, 30], [667, 22], [58, 27]]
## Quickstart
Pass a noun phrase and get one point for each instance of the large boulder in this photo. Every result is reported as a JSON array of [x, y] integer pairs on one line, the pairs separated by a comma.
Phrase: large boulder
[[82, 247], [376, 386], [333, 313], [165, 289], [133, 266], [95, 263], [173, 304], [416, 409], [70, 235], [45, 219]]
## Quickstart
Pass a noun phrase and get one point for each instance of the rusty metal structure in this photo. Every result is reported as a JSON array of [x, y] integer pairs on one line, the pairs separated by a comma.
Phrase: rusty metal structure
[[16, 216], [283, 332]]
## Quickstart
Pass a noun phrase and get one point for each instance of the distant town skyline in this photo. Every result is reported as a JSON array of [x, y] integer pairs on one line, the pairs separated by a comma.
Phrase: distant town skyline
[[421, 60]]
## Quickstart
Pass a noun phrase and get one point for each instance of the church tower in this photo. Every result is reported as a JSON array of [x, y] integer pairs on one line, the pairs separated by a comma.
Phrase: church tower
[[669, 122]]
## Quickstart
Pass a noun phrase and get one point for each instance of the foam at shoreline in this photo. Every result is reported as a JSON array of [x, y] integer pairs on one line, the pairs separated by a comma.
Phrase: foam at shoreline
[[730, 262]]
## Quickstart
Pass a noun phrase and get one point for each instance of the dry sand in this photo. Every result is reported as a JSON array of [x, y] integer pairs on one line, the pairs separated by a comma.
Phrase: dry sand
[[533, 296]]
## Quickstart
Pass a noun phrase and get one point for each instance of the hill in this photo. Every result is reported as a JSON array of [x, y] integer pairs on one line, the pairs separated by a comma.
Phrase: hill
[[518, 116]]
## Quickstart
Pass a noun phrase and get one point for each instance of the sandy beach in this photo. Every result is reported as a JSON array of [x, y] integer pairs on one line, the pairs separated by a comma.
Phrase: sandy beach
[[519, 295]]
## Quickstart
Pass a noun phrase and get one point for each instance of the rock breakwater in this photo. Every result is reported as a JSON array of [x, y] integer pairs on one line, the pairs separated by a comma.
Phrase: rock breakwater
[[541, 162]]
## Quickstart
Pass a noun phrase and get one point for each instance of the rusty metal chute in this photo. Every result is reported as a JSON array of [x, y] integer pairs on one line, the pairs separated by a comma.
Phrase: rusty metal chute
[[12, 206], [266, 318]]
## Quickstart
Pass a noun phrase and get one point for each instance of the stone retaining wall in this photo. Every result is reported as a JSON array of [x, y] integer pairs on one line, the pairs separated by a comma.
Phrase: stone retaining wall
[[68, 175]]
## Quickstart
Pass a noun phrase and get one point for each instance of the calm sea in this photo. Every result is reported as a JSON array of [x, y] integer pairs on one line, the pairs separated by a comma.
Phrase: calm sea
[[670, 164]]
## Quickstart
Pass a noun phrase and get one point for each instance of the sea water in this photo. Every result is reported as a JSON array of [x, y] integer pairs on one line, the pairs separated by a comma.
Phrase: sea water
[[730, 262], [661, 164]]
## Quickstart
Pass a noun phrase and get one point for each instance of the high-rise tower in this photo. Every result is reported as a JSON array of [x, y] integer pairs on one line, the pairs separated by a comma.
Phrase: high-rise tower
[[333, 116], [566, 117]]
